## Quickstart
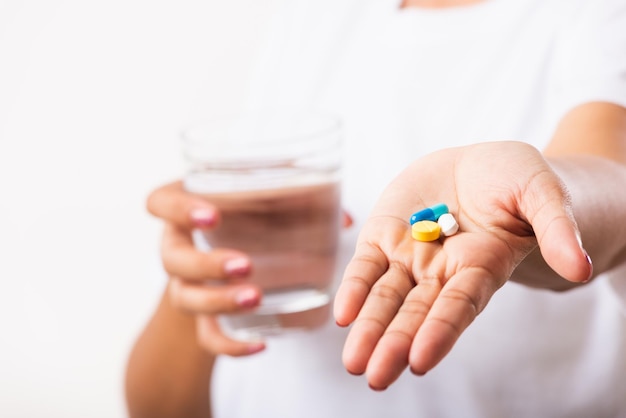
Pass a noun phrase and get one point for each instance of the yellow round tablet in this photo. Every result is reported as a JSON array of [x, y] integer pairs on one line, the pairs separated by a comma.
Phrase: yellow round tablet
[[425, 231]]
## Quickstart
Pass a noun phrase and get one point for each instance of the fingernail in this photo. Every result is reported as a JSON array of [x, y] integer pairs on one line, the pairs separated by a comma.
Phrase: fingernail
[[256, 347], [579, 239], [377, 389], [247, 298], [590, 266], [416, 373], [202, 217], [586, 255], [237, 266]]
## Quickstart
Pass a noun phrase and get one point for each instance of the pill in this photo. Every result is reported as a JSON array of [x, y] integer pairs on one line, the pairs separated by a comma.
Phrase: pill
[[429, 214], [448, 224], [425, 230]]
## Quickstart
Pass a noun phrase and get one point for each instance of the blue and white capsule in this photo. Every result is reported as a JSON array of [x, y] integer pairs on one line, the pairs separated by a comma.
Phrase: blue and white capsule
[[429, 214]]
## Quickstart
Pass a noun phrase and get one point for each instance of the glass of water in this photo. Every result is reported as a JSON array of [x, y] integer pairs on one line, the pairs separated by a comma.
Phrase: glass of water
[[275, 177]]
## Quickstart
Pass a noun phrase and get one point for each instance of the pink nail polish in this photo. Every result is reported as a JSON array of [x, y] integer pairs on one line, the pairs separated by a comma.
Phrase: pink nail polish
[[202, 217], [247, 298], [237, 266], [590, 266], [256, 347]]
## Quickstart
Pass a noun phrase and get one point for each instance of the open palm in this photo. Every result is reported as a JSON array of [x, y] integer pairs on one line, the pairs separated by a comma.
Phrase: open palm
[[409, 301]]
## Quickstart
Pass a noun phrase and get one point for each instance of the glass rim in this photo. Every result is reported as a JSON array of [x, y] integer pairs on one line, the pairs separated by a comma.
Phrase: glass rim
[[206, 126]]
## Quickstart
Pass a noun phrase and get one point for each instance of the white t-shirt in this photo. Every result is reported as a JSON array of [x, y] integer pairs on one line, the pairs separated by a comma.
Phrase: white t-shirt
[[407, 82]]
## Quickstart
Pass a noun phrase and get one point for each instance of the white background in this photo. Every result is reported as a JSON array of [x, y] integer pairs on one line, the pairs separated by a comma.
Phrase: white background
[[92, 96]]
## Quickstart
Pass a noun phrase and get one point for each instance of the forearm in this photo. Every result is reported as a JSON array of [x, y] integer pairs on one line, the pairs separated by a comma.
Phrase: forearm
[[168, 373], [596, 186]]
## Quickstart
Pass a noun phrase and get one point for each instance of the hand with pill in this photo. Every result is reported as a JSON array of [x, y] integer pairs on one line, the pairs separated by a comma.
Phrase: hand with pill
[[425, 293]]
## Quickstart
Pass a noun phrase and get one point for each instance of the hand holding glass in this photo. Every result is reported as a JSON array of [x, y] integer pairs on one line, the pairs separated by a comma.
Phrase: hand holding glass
[[275, 179]]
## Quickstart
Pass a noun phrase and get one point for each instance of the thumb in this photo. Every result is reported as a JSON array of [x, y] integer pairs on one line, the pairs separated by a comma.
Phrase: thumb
[[550, 214], [172, 203]]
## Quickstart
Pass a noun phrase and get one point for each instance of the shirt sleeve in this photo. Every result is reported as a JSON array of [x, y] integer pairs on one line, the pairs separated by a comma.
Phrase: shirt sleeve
[[590, 66]]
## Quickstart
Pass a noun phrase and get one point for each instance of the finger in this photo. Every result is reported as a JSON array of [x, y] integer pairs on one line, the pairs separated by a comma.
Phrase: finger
[[366, 267], [346, 219], [391, 355], [172, 203], [181, 258], [463, 297], [196, 297], [211, 338], [381, 305], [549, 212]]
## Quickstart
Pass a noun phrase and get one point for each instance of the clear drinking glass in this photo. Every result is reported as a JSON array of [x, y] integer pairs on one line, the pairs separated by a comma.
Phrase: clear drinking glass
[[275, 177]]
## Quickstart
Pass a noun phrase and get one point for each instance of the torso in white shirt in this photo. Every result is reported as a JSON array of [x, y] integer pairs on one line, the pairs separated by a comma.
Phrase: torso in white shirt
[[408, 82]]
